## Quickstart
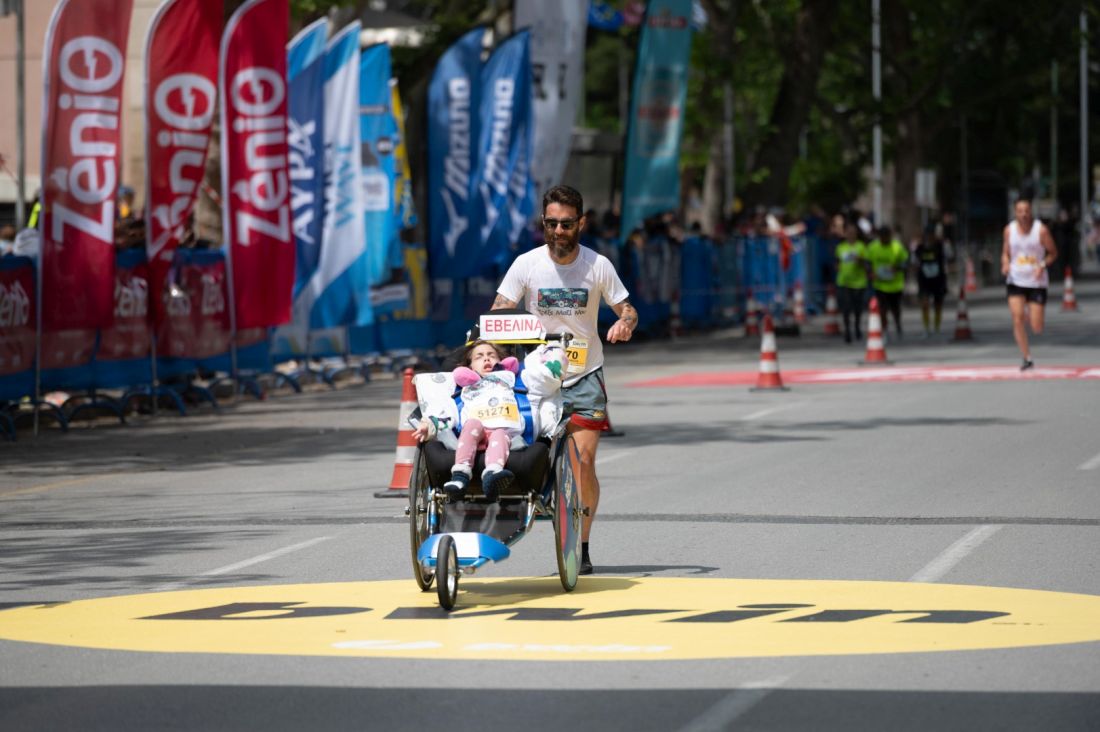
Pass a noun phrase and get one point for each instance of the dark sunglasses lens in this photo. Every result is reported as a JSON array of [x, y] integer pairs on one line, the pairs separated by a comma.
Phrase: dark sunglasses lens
[[566, 224]]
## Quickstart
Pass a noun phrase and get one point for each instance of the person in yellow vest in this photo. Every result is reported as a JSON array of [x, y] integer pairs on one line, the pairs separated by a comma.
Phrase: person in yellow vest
[[888, 258], [851, 280]]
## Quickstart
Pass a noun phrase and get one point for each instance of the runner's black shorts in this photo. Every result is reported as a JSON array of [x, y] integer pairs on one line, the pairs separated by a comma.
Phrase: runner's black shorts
[[1037, 295]]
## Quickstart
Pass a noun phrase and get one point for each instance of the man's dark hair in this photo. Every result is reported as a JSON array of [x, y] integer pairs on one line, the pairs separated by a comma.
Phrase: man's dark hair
[[565, 196]]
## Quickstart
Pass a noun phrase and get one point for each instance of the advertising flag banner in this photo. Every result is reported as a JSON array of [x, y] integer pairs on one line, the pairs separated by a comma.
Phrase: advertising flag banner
[[502, 174], [305, 138], [181, 92], [405, 209], [337, 293], [651, 183], [306, 83], [84, 60], [453, 103], [557, 75], [378, 135], [255, 181]]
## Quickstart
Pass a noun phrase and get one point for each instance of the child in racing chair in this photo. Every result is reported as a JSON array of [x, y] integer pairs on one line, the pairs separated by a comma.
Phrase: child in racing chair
[[490, 415]]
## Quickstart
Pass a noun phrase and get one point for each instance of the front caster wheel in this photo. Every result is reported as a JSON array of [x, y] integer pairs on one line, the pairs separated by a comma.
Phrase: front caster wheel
[[446, 572]]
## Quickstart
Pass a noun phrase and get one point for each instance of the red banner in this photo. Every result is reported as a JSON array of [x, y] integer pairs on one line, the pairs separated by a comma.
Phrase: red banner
[[181, 89], [255, 183], [17, 327], [84, 61], [129, 337], [197, 322]]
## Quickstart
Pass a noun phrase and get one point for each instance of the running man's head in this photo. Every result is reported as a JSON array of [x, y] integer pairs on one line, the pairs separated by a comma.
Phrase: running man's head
[[562, 220], [482, 356], [1023, 213]]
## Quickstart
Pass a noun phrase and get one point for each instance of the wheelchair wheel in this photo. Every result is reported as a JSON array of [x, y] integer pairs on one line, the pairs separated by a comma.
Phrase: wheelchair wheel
[[419, 511], [446, 567], [567, 513]]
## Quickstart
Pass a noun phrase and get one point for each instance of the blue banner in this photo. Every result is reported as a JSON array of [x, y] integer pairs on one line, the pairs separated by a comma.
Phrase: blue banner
[[453, 101], [378, 135], [505, 190], [338, 292], [602, 16], [651, 183], [305, 78]]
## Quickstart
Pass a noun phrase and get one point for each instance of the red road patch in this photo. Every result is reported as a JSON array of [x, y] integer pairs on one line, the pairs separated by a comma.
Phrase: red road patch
[[882, 374]]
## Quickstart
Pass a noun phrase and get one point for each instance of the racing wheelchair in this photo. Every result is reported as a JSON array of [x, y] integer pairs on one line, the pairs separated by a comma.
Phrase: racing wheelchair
[[450, 537]]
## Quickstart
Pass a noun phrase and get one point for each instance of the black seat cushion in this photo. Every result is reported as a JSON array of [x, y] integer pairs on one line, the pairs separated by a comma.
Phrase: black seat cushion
[[529, 466]]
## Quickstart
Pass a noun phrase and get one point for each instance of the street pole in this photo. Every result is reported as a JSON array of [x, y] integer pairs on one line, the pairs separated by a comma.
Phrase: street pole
[[1084, 92], [1054, 131], [20, 121], [964, 218], [876, 91], [727, 147]]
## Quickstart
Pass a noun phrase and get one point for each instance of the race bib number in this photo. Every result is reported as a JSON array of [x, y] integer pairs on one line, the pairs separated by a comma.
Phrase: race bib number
[[1026, 260], [930, 269], [506, 412], [578, 356], [884, 272]]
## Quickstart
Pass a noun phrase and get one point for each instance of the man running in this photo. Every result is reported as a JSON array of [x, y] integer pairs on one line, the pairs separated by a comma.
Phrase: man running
[[563, 283], [1027, 252]]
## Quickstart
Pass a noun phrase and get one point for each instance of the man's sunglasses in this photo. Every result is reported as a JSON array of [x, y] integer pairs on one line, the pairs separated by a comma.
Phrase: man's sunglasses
[[566, 224]]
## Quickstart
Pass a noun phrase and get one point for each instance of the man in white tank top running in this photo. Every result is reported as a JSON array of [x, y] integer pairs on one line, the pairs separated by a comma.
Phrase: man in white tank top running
[[1027, 252]]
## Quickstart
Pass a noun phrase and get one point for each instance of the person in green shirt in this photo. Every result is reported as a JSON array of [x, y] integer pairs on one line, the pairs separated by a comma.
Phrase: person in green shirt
[[851, 280], [888, 258]]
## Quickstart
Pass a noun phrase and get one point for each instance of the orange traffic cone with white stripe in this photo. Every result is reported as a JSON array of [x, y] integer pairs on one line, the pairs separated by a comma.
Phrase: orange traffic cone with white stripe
[[1069, 299], [799, 304], [768, 379], [752, 319], [406, 442], [962, 320], [971, 277], [832, 321], [876, 347]]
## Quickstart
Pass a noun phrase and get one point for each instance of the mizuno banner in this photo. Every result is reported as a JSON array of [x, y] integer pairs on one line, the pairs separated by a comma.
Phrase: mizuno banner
[[83, 65], [378, 134], [255, 181], [502, 177], [181, 93], [557, 73], [651, 183], [453, 102], [338, 291]]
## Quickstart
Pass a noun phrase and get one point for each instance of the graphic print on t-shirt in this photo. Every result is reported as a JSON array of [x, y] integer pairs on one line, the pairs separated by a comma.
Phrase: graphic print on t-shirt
[[562, 301]]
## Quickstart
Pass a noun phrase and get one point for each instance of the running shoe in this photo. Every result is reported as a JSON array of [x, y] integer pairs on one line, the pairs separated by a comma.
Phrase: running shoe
[[586, 564], [1028, 363]]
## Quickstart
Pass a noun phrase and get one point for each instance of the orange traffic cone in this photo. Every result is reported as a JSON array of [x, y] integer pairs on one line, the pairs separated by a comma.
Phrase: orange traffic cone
[[971, 277], [1069, 299], [876, 349], [406, 443], [962, 320], [752, 318], [799, 304], [768, 379], [832, 322]]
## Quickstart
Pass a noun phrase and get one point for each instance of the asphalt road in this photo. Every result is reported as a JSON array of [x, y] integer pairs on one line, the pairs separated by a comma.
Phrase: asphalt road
[[834, 497]]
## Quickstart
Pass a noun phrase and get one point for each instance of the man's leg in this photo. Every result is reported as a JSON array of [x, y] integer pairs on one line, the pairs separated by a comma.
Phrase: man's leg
[[587, 441]]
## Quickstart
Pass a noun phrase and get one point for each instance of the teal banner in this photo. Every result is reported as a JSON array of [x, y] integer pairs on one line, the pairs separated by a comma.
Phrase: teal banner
[[651, 182]]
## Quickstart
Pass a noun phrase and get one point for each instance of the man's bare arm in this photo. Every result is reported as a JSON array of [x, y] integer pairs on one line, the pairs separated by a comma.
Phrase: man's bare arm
[[623, 328], [503, 303]]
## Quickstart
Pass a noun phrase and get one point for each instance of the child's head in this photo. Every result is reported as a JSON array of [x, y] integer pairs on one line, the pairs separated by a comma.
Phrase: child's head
[[482, 356]]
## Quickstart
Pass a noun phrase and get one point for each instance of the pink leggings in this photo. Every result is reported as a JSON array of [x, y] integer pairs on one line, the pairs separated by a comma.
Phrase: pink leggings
[[496, 444]]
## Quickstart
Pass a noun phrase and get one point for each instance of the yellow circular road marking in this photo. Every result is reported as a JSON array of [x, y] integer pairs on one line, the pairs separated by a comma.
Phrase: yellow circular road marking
[[607, 618]]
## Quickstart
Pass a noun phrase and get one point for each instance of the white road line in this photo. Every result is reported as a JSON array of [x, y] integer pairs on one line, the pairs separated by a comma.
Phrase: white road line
[[734, 705], [246, 563], [613, 456], [1090, 464], [955, 553], [770, 410]]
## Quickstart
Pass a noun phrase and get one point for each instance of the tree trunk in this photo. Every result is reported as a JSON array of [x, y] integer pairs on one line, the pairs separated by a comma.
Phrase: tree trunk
[[713, 185], [805, 54]]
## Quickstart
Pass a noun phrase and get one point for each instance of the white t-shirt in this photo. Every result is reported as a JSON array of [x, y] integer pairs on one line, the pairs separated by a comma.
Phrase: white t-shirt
[[566, 297]]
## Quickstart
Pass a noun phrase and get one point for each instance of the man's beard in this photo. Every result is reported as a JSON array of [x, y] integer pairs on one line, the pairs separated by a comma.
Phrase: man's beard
[[562, 249]]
